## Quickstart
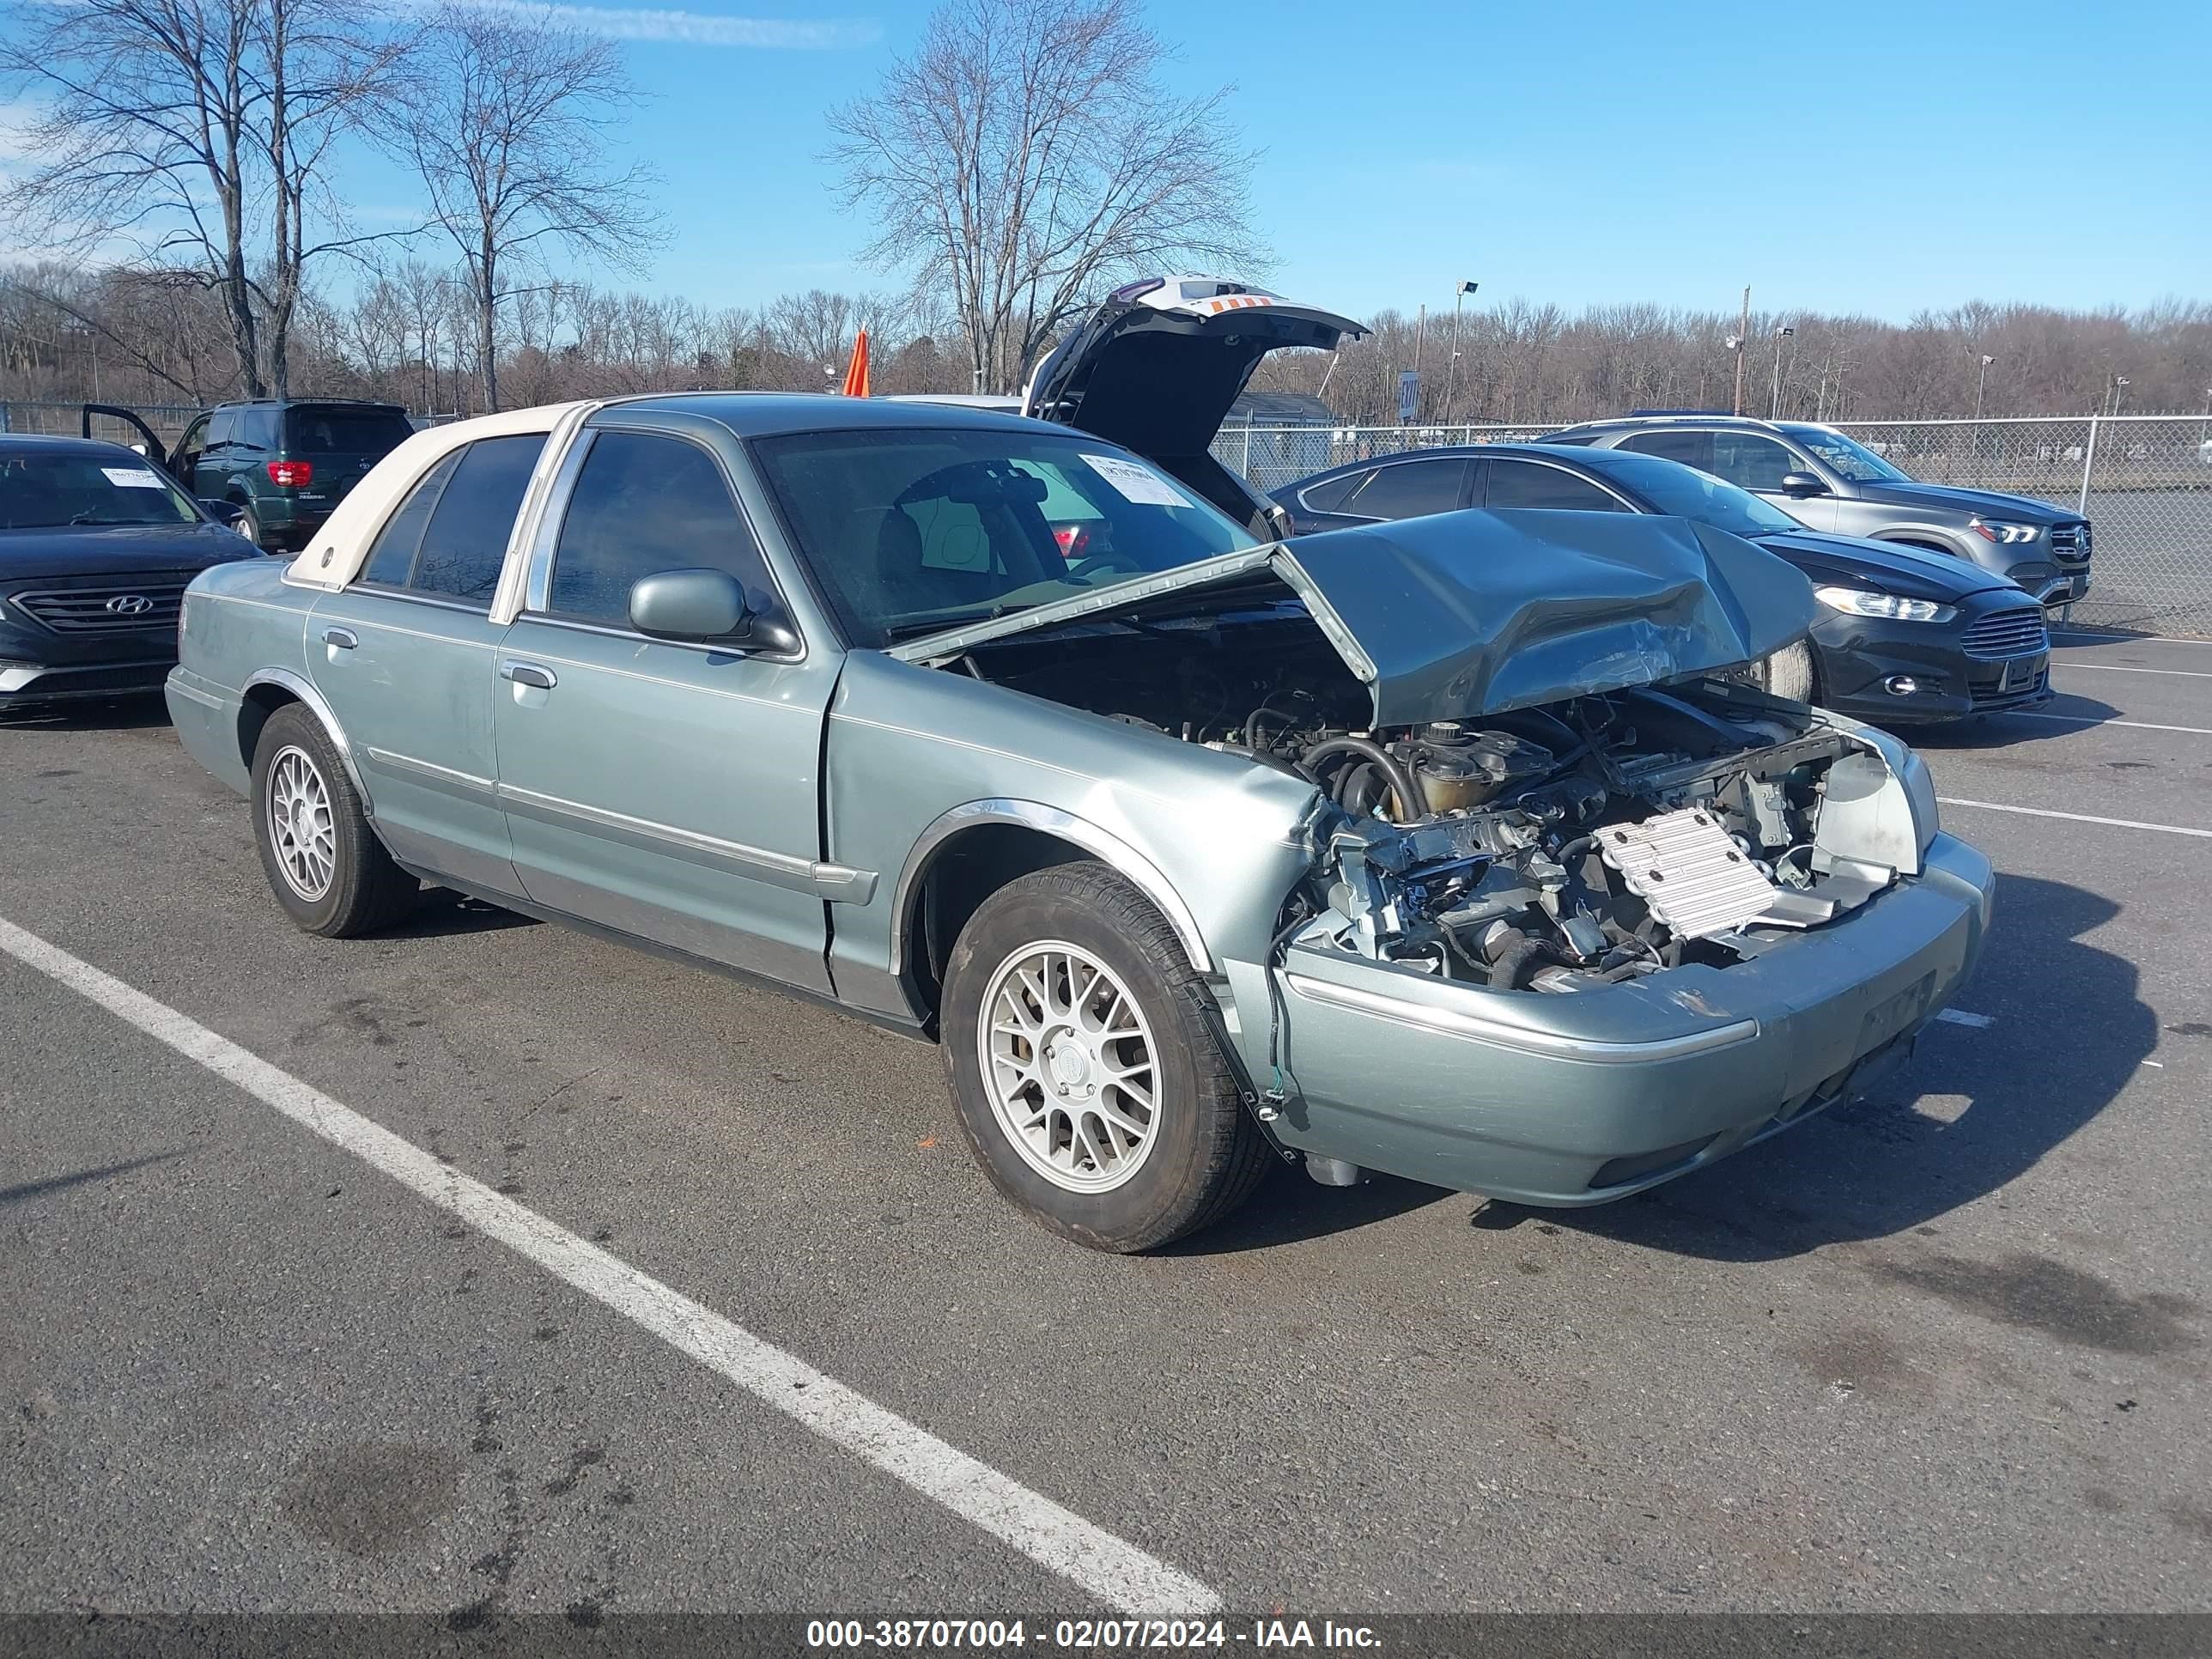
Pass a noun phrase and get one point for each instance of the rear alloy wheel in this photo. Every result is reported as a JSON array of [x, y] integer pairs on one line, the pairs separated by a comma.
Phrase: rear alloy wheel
[[1089, 1082], [323, 862]]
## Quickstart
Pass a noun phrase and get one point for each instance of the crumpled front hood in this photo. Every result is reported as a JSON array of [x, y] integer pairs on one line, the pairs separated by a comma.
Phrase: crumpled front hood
[[1468, 614]]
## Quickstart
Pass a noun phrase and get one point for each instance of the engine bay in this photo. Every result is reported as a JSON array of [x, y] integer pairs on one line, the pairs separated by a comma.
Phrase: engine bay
[[1547, 849]]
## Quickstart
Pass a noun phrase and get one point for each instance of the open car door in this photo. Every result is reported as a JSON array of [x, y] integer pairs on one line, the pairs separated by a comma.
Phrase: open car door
[[148, 445], [1156, 367]]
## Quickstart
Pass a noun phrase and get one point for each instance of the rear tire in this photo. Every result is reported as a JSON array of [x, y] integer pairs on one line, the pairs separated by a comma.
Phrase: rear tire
[[1084, 1067], [323, 861], [250, 526]]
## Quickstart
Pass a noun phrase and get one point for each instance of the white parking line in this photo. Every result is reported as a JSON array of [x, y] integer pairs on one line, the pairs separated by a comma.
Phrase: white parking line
[[1961, 1016], [1116, 1573], [2124, 639], [2076, 818], [2122, 668], [2096, 720]]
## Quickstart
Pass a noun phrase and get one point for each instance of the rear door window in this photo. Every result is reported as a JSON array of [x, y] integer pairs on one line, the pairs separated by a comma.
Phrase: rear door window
[[1531, 483], [1751, 462], [1690, 448], [392, 560], [1410, 490], [449, 538], [1328, 496]]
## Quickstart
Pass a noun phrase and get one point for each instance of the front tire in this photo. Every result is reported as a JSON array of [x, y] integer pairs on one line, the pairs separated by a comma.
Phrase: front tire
[[323, 862], [1789, 673], [1087, 1078]]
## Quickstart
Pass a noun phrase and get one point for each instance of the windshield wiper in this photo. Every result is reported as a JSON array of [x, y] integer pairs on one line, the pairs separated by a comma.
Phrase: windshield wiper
[[917, 627]]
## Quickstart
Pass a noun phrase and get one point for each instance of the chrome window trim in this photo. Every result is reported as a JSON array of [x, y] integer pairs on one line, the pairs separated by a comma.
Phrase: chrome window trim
[[1471, 1028], [409, 596], [837, 884], [1141, 871], [733, 649]]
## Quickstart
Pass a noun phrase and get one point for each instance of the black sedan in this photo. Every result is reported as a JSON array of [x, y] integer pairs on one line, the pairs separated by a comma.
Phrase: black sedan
[[1904, 636], [96, 546]]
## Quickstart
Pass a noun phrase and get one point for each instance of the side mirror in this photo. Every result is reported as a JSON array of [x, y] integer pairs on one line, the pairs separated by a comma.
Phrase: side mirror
[[689, 605], [1801, 484], [226, 513]]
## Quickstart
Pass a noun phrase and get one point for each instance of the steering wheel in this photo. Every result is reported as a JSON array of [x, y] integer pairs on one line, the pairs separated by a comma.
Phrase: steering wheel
[[1084, 569]]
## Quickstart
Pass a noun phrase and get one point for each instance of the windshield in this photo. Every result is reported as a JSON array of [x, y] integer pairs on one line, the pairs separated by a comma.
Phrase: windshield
[[910, 531], [1849, 458], [43, 489], [1684, 491]]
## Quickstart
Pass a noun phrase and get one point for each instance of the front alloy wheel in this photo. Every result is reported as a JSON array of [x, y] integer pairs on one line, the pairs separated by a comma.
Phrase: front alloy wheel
[[1068, 1062], [1087, 1067]]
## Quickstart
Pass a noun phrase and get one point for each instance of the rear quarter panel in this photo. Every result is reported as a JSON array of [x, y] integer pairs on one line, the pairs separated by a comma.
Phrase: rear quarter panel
[[239, 621]]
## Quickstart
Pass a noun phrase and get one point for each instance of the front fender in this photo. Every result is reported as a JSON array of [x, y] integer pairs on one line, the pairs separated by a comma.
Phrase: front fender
[[916, 757]]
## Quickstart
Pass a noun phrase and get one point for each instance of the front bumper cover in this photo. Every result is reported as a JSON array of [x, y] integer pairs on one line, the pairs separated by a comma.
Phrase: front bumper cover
[[1585, 1098]]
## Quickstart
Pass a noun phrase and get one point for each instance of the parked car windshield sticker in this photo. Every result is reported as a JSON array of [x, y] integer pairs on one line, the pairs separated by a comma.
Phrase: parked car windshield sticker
[[1136, 483], [133, 477]]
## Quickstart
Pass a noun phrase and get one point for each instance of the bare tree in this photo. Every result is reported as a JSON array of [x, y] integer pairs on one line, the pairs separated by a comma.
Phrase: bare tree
[[201, 131], [1026, 155], [507, 125]]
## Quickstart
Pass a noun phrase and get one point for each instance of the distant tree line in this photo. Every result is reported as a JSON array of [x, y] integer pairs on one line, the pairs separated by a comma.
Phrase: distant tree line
[[412, 333], [1526, 363]]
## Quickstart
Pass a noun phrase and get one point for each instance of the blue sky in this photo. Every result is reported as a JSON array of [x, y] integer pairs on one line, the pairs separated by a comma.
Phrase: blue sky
[[1877, 157]]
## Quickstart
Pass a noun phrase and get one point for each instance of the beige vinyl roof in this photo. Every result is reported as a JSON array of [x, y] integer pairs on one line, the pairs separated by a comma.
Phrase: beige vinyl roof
[[334, 555]]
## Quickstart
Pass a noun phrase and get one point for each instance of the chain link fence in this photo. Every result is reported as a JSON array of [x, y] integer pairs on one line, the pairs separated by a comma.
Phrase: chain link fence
[[64, 420], [2143, 481]]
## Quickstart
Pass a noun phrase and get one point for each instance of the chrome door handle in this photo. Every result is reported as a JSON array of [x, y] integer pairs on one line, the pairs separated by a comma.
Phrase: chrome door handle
[[528, 673], [343, 638]]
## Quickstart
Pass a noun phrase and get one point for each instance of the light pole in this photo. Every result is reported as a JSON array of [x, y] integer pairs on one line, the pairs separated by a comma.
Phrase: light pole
[[1981, 375], [1774, 404], [2119, 392], [1736, 344], [1451, 370]]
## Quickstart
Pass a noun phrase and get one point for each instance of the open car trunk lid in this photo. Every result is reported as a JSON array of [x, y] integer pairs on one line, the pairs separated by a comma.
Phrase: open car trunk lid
[[1156, 367], [1468, 614]]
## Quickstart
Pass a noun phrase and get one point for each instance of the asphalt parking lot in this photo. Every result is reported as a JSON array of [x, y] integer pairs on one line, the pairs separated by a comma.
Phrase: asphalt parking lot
[[1942, 1350]]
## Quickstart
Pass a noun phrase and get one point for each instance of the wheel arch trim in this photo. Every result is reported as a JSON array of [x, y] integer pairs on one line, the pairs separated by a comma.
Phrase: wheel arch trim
[[1126, 860], [301, 689]]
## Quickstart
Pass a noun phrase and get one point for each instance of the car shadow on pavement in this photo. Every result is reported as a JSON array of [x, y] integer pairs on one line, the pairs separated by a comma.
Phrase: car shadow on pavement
[[1974, 1110], [2062, 717], [1288, 1208], [121, 715], [444, 912]]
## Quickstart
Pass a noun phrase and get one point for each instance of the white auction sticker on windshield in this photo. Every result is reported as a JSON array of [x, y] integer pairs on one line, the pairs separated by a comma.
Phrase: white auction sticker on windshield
[[1136, 483], [133, 477]]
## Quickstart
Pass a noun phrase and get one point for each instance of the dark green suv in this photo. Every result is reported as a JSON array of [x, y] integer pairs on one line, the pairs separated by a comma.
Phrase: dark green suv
[[284, 464]]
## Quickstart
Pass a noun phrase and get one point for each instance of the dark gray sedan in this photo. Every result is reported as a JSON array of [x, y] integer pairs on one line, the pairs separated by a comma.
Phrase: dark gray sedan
[[1903, 636], [96, 546]]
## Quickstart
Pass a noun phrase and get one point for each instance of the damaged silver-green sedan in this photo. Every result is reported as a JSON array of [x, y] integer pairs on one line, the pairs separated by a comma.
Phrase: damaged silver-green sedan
[[1457, 849]]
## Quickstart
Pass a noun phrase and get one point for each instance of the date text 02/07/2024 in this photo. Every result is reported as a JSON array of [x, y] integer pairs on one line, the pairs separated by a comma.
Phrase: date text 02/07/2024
[[1085, 1635]]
